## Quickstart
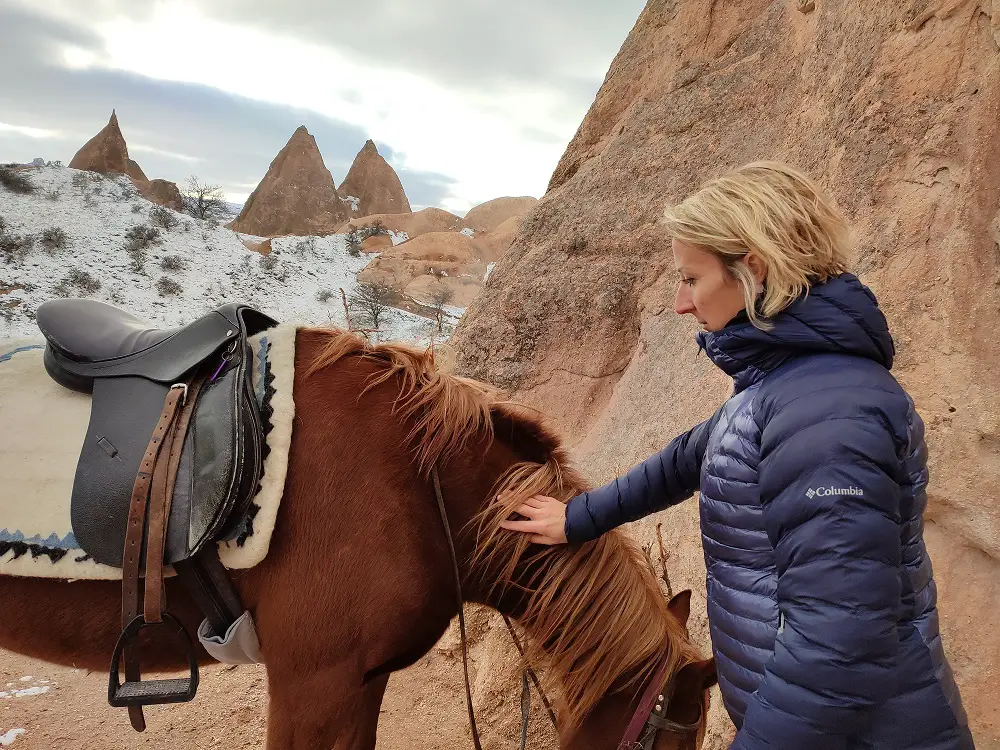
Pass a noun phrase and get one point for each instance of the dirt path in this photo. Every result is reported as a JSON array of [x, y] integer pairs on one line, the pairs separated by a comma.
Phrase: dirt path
[[61, 708]]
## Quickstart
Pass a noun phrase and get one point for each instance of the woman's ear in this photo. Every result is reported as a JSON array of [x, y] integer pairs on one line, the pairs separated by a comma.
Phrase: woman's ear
[[756, 265]]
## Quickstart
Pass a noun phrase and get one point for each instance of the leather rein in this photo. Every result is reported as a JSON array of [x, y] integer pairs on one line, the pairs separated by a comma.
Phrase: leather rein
[[647, 721]]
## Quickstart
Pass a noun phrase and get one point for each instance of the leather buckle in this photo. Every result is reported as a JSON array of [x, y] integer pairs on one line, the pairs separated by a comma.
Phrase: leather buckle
[[184, 395]]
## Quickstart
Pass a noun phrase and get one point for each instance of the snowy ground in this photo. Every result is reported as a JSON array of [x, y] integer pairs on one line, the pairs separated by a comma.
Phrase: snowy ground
[[192, 268]]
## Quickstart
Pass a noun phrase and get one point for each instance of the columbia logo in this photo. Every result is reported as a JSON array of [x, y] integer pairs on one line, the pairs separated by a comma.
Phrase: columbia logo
[[831, 491]]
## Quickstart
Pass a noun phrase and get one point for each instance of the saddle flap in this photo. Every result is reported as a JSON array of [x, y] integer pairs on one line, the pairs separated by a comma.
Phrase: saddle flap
[[112, 450]]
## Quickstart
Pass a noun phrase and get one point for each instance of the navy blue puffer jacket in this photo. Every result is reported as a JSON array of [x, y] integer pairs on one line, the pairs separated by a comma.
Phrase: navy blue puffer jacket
[[821, 602]]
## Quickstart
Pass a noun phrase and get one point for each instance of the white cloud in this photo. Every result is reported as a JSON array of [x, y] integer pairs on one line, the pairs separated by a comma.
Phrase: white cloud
[[29, 132], [144, 149]]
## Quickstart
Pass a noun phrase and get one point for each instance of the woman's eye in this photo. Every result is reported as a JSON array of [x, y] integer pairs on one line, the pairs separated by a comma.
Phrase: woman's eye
[[689, 282]]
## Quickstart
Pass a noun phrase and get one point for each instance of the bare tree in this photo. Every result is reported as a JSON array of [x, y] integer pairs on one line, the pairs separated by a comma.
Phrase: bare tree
[[370, 302], [440, 297], [203, 201]]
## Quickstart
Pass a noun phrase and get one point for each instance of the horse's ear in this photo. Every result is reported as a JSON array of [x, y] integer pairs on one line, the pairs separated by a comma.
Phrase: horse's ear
[[698, 674], [680, 606]]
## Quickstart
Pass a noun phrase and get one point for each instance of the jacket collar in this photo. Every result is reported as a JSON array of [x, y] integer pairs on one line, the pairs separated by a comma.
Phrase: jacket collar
[[840, 315]]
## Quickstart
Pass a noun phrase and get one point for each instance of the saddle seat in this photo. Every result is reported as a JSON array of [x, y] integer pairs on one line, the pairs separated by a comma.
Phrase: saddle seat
[[90, 339]]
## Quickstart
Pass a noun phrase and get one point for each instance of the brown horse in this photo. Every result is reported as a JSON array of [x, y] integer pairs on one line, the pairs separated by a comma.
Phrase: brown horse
[[358, 581]]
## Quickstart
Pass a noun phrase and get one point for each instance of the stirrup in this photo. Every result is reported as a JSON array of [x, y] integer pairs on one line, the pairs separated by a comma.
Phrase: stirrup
[[150, 692]]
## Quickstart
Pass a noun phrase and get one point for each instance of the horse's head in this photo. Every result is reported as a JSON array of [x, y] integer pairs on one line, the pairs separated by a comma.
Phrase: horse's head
[[598, 623], [686, 696]]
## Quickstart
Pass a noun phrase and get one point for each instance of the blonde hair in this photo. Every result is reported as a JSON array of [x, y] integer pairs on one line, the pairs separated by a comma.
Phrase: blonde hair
[[779, 213]]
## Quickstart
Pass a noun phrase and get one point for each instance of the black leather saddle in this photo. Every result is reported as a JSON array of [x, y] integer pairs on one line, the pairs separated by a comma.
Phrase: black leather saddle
[[128, 366]]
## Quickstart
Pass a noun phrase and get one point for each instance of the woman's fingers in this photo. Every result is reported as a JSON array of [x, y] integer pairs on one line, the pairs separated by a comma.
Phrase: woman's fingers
[[528, 511], [535, 501], [535, 529], [530, 527], [538, 539], [533, 510], [541, 517]]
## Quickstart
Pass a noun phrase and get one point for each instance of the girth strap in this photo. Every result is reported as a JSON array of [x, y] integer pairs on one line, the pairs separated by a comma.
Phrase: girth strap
[[209, 584]]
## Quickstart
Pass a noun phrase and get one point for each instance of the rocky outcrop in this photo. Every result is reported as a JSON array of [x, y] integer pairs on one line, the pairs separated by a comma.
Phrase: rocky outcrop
[[263, 247], [107, 153], [375, 184], [497, 241], [432, 261], [488, 216], [297, 196], [894, 108], [376, 244], [496, 223], [163, 192], [134, 171], [413, 224]]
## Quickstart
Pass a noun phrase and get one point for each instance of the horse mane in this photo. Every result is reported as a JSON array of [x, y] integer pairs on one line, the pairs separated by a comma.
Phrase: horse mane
[[447, 411], [594, 613]]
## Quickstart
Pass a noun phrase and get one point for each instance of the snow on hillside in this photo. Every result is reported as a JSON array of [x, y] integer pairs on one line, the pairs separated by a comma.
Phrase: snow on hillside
[[191, 268]]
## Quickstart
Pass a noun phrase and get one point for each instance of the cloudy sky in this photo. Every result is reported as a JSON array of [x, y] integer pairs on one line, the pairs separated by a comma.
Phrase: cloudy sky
[[467, 99]]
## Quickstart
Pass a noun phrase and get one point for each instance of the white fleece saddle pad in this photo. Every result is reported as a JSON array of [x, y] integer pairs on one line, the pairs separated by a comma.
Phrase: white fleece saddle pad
[[43, 427]]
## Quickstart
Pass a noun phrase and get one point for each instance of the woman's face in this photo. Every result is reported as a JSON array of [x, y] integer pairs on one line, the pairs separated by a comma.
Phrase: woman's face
[[705, 289]]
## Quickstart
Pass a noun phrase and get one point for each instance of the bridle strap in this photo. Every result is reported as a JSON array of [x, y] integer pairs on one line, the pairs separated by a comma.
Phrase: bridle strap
[[525, 688], [650, 699], [460, 601], [530, 672], [525, 708]]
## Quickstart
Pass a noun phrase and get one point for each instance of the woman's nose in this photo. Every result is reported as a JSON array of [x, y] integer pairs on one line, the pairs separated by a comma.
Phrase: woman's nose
[[682, 301]]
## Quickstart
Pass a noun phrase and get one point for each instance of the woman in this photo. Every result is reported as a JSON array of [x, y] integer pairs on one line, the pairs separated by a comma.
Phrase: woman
[[821, 602]]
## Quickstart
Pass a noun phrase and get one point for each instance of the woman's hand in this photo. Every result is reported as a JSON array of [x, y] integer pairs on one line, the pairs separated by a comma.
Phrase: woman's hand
[[546, 522]]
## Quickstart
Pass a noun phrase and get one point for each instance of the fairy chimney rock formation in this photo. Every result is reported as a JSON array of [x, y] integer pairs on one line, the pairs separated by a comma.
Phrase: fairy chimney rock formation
[[375, 184], [106, 152], [297, 195]]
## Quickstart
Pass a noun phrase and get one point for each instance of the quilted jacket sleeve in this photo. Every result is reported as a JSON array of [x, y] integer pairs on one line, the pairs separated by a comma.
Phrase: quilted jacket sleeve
[[660, 481], [831, 501]]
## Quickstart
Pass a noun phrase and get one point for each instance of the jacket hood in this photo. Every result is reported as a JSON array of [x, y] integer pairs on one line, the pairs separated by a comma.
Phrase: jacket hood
[[840, 316]]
